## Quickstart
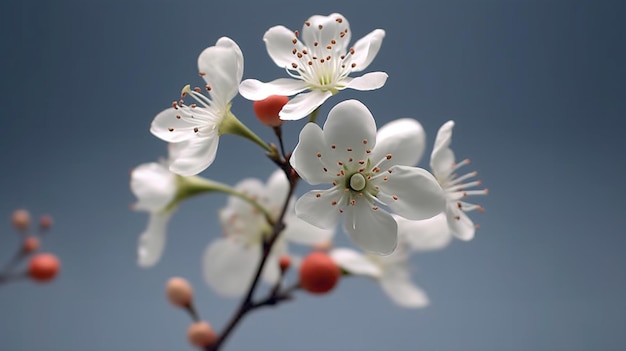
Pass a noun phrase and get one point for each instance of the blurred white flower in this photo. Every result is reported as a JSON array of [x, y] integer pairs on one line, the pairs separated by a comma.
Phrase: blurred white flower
[[195, 128], [362, 175], [425, 235], [155, 188], [391, 272], [321, 63], [230, 262]]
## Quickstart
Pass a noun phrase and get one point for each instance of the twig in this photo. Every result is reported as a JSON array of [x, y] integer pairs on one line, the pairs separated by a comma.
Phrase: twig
[[247, 303]]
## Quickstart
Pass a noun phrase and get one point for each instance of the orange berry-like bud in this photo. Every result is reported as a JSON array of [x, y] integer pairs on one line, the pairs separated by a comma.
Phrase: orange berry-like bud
[[200, 334], [45, 222], [21, 220], [43, 267], [284, 262], [179, 292], [30, 244], [267, 110], [318, 273]]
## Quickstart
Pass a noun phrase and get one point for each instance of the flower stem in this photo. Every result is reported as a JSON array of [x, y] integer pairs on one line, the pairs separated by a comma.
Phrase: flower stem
[[7, 277], [17, 257], [195, 185], [279, 135], [232, 125], [193, 313], [247, 304], [313, 115]]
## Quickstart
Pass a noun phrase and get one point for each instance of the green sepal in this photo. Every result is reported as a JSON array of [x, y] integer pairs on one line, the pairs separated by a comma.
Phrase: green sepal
[[232, 125]]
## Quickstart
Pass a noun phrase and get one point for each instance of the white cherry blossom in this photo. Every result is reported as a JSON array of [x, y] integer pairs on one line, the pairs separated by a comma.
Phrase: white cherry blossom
[[457, 187], [321, 63], [155, 188], [391, 272], [363, 176], [196, 128], [230, 262], [425, 235]]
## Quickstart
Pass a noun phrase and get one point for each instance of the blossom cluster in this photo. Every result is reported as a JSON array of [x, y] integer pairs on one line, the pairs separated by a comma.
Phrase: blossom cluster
[[364, 177]]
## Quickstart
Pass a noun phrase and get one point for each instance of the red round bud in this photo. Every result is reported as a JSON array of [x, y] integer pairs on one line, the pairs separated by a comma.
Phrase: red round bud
[[31, 244], [200, 334], [21, 220], [284, 262], [43, 267], [267, 110], [45, 222], [318, 273], [179, 292]]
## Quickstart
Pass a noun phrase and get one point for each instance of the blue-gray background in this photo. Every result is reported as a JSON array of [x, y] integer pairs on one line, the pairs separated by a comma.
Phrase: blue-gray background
[[536, 88]]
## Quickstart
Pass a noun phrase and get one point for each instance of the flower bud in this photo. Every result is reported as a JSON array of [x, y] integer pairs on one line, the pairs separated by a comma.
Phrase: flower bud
[[318, 273], [43, 267], [30, 244], [284, 262], [267, 110], [200, 334], [21, 220], [179, 292], [45, 222]]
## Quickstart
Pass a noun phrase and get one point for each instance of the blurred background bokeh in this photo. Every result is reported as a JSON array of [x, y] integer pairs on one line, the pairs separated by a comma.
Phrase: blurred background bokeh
[[538, 95]]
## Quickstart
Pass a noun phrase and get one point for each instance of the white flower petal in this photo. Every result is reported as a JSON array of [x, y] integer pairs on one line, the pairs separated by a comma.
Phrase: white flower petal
[[167, 127], [154, 186], [251, 187], [412, 193], [319, 211], [304, 158], [276, 189], [366, 48], [229, 265], [222, 68], [255, 90], [301, 232], [351, 128], [355, 262], [425, 235], [239, 217], [271, 271], [396, 283], [303, 104], [461, 226], [279, 44], [368, 81], [404, 139], [442, 157], [194, 155], [372, 230], [152, 240], [331, 28]]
